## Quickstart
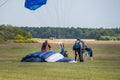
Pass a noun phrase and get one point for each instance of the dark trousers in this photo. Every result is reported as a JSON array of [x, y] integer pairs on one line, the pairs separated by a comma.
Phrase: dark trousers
[[80, 54]]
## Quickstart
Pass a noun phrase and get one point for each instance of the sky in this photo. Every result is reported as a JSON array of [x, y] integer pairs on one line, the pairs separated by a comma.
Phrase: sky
[[62, 13]]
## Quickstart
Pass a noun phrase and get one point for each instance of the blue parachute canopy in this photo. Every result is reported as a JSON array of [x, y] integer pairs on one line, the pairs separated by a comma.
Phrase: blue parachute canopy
[[34, 4], [46, 56]]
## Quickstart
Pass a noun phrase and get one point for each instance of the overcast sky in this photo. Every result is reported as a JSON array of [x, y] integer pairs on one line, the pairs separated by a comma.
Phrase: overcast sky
[[64, 13]]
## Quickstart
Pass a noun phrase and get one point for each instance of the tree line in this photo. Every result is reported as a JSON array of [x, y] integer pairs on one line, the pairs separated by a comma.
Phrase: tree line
[[71, 33], [8, 32]]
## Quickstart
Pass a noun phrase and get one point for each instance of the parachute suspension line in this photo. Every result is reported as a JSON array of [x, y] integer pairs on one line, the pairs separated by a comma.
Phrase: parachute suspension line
[[57, 14], [70, 11], [60, 10], [63, 13], [41, 19], [50, 16], [38, 18], [3, 3], [67, 12], [34, 6]]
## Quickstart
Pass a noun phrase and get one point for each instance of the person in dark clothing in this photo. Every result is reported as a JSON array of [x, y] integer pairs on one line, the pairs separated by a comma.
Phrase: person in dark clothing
[[89, 52], [45, 46], [79, 50]]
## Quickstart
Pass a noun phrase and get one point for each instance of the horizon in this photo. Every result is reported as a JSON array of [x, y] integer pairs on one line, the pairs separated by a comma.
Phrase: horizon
[[60, 27]]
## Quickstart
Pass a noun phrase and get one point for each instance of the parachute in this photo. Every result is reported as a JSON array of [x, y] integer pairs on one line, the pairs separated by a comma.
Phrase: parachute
[[55, 12], [34, 4], [47, 56]]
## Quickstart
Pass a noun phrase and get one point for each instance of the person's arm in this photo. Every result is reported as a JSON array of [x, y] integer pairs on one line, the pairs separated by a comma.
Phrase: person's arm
[[49, 46]]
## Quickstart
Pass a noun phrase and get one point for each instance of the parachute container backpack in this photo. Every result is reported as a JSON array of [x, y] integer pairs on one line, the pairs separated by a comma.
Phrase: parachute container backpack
[[76, 46], [34, 4]]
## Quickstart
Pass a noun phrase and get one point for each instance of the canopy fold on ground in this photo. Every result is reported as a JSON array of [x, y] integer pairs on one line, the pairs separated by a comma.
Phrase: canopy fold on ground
[[47, 56]]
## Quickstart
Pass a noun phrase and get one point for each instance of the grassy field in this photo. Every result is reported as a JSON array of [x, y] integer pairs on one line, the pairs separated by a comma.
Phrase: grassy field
[[106, 64]]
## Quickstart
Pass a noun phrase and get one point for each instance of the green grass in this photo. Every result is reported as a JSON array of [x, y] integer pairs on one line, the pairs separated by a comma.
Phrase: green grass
[[106, 64]]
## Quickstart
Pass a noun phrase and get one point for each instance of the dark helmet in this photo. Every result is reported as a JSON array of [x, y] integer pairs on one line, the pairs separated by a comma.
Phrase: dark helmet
[[78, 39]]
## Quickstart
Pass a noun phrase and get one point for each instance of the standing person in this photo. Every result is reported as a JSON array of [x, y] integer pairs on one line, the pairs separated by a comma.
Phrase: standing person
[[89, 52], [78, 47], [45, 46]]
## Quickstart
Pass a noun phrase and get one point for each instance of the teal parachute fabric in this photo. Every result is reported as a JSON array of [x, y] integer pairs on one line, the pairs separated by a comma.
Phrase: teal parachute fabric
[[34, 4]]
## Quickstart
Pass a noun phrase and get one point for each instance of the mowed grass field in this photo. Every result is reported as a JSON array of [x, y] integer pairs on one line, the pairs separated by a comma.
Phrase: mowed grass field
[[106, 64]]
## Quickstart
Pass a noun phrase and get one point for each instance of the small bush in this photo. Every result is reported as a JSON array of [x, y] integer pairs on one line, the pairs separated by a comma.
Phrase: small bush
[[109, 38], [25, 41], [19, 37]]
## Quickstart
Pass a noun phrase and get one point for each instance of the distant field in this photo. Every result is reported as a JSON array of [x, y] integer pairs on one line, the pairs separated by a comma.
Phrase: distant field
[[106, 64], [60, 40]]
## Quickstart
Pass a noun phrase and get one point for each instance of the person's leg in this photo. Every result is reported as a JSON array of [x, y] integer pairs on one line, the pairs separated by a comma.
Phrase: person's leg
[[91, 58], [85, 55], [81, 56], [75, 55], [91, 54]]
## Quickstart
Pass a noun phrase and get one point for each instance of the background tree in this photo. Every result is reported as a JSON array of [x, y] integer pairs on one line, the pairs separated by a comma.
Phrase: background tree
[[8, 32]]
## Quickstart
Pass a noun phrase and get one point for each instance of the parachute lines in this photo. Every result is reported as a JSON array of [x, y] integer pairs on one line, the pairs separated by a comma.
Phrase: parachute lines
[[3, 2]]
